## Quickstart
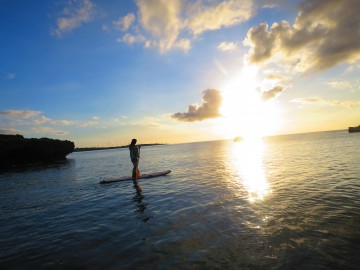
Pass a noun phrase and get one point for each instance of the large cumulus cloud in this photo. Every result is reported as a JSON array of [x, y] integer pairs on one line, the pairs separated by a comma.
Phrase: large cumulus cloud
[[174, 24], [324, 34], [212, 100]]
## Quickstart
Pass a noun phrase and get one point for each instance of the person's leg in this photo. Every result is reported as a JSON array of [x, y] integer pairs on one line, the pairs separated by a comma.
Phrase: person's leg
[[135, 169]]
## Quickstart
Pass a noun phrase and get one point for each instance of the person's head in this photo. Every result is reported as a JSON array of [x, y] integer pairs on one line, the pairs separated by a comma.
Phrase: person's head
[[133, 141]]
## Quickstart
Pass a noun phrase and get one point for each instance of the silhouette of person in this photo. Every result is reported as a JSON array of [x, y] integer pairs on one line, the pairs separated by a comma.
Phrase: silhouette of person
[[135, 156]]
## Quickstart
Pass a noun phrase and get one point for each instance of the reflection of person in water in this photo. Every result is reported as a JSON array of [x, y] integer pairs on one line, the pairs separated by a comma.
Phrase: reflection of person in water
[[137, 187], [140, 205]]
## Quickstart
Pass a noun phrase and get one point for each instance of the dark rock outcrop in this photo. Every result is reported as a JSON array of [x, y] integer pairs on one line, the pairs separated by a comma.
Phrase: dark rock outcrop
[[354, 129], [15, 150]]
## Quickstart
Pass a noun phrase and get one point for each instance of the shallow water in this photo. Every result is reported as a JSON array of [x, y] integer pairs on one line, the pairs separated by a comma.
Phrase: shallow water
[[287, 202]]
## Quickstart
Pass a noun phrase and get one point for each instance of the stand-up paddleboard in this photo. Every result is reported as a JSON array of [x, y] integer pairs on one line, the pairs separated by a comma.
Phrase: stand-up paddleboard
[[126, 178]]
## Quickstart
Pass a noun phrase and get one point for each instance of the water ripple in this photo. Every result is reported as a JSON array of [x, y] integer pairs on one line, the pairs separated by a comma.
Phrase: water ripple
[[290, 203]]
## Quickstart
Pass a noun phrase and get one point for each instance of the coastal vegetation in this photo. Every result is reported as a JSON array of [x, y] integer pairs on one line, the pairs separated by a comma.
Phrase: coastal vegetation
[[17, 150], [354, 129]]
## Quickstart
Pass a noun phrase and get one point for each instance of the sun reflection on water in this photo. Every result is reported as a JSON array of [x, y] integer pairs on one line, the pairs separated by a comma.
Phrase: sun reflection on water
[[247, 159]]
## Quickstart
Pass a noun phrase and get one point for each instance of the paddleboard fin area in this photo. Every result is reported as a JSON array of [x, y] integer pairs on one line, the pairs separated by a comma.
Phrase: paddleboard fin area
[[127, 178]]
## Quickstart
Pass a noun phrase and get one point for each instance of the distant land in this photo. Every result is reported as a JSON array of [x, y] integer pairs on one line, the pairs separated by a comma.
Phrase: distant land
[[81, 149], [354, 129]]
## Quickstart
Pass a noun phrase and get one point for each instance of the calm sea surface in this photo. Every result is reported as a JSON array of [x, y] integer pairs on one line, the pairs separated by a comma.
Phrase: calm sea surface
[[288, 202]]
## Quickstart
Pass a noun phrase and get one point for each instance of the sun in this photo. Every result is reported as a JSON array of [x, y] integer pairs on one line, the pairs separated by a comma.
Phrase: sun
[[244, 111]]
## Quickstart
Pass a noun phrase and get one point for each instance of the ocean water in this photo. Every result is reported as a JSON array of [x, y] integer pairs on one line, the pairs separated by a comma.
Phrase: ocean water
[[287, 202]]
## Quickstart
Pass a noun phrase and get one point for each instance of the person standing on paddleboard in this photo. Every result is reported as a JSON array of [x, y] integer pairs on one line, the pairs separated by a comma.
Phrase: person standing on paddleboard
[[135, 156]]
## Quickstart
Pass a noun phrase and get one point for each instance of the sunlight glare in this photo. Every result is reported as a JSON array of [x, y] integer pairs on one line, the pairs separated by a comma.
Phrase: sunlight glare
[[244, 112], [247, 158]]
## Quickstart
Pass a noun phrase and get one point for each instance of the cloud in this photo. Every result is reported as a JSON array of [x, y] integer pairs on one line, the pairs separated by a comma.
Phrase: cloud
[[212, 100], [275, 91], [352, 68], [311, 100], [227, 46], [344, 85], [161, 19], [43, 119], [283, 79], [310, 44], [183, 44], [86, 124], [34, 122], [9, 131], [23, 114], [223, 14], [131, 39], [46, 130], [168, 25], [151, 122], [76, 13], [32, 117], [62, 122], [121, 118], [269, 6], [326, 102], [123, 24]]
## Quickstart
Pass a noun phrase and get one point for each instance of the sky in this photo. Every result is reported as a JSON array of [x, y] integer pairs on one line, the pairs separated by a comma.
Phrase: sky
[[100, 73]]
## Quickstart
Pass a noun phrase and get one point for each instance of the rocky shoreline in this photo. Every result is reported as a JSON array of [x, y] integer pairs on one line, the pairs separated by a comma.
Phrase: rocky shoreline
[[17, 150]]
